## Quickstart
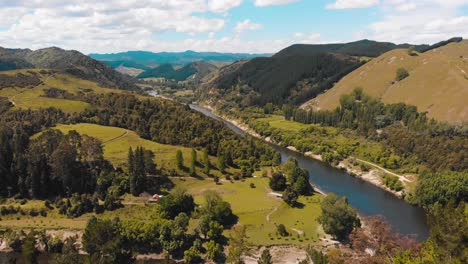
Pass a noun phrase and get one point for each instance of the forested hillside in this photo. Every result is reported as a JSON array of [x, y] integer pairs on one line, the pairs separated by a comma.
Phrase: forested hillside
[[435, 81], [293, 75], [196, 69], [72, 62]]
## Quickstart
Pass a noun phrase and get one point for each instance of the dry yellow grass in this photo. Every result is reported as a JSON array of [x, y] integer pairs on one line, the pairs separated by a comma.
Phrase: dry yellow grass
[[438, 82]]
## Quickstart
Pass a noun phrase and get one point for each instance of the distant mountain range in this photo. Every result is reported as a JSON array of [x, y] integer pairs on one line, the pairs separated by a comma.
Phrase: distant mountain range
[[143, 59], [69, 61]]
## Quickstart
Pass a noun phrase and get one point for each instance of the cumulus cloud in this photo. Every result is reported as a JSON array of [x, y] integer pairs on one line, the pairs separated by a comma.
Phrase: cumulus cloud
[[351, 4], [91, 26], [424, 21], [246, 25], [313, 38], [273, 2]]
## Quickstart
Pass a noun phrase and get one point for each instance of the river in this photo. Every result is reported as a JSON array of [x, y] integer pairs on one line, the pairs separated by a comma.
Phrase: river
[[367, 198]]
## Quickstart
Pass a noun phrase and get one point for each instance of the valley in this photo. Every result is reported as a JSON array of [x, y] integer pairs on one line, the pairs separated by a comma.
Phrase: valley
[[281, 153]]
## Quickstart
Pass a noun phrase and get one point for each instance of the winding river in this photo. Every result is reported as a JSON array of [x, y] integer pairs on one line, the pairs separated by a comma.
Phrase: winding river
[[368, 199]]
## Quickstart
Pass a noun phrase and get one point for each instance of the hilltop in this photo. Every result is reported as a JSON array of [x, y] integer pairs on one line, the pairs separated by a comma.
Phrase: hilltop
[[195, 70], [437, 82], [68, 61], [152, 59], [293, 75]]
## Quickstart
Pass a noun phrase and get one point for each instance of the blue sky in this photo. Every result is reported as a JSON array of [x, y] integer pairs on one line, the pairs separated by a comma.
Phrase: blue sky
[[224, 25]]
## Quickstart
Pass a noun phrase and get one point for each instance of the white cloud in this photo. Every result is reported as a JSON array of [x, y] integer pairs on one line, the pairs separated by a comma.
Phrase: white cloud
[[273, 2], [223, 5], [246, 25], [313, 38], [424, 21], [351, 4]]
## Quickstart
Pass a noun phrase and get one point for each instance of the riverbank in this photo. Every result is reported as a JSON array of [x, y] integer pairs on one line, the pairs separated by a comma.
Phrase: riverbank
[[372, 176]]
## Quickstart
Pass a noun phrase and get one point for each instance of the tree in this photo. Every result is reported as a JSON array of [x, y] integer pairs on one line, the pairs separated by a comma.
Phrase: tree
[[179, 159], [178, 201], [192, 256], [316, 256], [278, 181], [28, 249], [338, 217], [281, 229], [150, 165], [401, 74], [214, 251], [237, 245], [302, 186], [193, 162], [221, 163], [69, 254], [265, 258], [102, 240], [290, 196], [276, 159], [206, 162], [204, 225], [217, 209], [215, 231]]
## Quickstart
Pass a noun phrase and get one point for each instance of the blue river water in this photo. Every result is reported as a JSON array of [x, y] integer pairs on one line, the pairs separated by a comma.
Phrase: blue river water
[[367, 198]]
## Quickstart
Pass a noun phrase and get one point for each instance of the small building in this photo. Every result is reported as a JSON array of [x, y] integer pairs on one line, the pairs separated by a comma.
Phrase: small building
[[154, 198]]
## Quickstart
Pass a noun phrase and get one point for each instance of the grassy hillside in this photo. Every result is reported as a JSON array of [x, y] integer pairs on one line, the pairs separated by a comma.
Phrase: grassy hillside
[[437, 81], [68, 61], [32, 96]]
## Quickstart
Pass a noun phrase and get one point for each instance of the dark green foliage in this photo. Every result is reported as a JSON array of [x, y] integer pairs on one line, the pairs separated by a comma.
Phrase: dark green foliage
[[214, 251], [69, 253], [278, 181], [166, 71], [178, 201], [20, 80], [78, 205], [392, 182], [217, 209], [170, 123], [265, 258], [442, 43], [401, 74], [193, 162], [103, 241], [276, 159], [206, 162], [179, 159], [281, 229], [140, 163], [28, 249], [192, 256], [290, 196], [441, 188], [338, 217], [274, 79], [449, 231], [408, 132]]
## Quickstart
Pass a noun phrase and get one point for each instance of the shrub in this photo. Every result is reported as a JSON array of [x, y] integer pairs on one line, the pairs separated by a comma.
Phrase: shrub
[[401, 74], [281, 229]]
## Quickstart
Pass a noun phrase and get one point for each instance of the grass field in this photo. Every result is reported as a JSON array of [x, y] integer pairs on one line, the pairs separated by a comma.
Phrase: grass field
[[56, 221], [117, 142], [32, 97], [253, 205]]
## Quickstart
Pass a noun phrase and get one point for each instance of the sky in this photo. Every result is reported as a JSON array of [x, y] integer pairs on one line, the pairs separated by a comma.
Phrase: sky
[[251, 26]]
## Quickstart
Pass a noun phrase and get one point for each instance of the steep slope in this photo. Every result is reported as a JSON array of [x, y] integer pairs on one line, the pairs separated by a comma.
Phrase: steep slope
[[72, 62], [437, 82], [293, 75]]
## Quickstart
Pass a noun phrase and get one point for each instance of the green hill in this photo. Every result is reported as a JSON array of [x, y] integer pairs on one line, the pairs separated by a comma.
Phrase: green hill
[[196, 69], [437, 81], [68, 61]]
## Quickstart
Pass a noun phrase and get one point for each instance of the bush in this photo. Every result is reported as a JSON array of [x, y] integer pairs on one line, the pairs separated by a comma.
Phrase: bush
[[401, 74], [252, 185], [281, 229]]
